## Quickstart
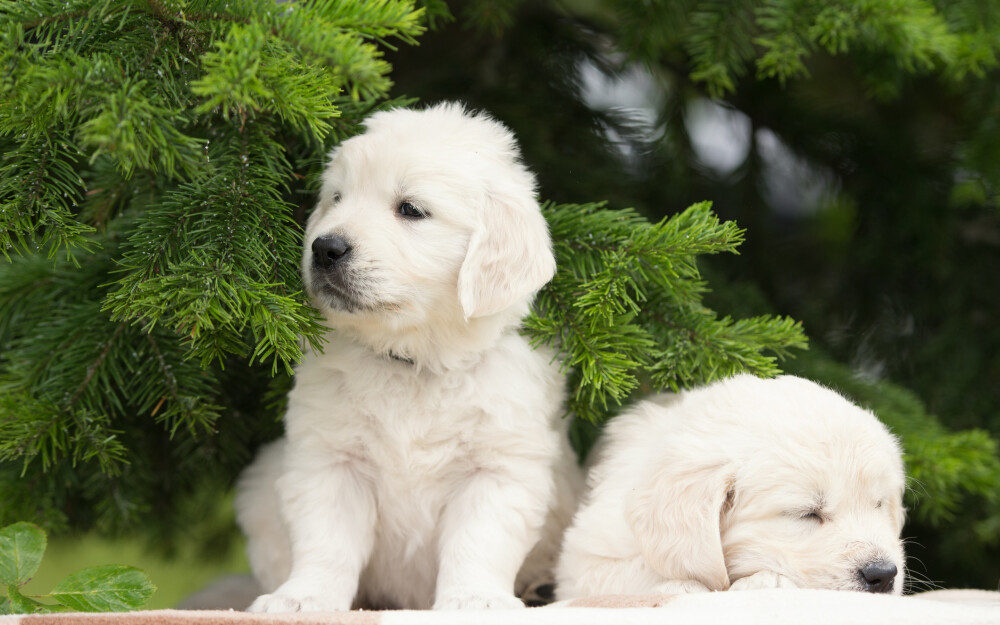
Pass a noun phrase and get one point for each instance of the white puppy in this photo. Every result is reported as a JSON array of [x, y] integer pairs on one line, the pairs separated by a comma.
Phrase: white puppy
[[425, 452], [745, 483]]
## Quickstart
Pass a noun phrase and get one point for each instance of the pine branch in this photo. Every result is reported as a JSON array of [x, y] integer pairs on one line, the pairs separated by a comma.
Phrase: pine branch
[[625, 306], [719, 43], [140, 132], [154, 140], [912, 32], [211, 261], [491, 16], [39, 188]]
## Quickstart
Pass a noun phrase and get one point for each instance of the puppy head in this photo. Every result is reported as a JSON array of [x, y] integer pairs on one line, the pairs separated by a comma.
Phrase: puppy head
[[427, 217], [799, 482]]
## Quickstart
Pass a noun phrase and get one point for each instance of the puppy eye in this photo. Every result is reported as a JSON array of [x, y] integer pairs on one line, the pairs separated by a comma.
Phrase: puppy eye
[[878, 504], [410, 211], [336, 198]]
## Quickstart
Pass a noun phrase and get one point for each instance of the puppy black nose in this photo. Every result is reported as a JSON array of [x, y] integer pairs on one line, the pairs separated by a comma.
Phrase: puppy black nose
[[329, 250], [878, 576]]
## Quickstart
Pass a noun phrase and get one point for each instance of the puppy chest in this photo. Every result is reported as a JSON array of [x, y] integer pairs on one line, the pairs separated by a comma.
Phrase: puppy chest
[[420, 456], [417, 441]]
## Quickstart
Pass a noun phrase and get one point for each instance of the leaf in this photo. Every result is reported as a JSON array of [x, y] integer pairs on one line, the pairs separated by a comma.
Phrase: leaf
[[5, 607], [21, 548], [108, 588], [19, 604]]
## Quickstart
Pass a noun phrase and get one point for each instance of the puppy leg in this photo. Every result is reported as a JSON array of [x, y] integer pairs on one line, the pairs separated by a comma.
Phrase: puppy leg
[[487, 530], [763, 579], [258, 512], [678, 587], [535, 583], [330, 514], [583, 574]]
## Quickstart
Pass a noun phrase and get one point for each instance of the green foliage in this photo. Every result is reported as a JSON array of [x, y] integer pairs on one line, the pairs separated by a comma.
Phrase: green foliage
[[108, 588], [39, 188], [186, 139], [142, 84], [209, 261], [21, 549], [724, 40], [490, 16], [160, 146], [625, 306], [151, 196]]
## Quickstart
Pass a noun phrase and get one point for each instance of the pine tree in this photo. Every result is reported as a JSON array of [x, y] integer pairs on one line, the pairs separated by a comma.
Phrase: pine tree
[[156, 155], [159, 159]]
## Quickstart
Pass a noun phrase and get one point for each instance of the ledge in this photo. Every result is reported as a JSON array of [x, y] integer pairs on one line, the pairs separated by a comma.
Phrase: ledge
[[770, 607]]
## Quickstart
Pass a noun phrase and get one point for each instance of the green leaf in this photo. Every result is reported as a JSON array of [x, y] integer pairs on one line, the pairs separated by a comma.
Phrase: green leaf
[[5, 606], [108, 588], [21, 548], [19, 604]]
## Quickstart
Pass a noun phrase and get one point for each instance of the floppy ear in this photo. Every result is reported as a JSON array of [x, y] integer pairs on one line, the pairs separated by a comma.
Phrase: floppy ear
[[675, 515], [509, 256]]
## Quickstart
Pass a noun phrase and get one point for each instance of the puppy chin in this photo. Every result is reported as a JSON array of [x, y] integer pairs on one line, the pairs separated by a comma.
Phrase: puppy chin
[[338, 293], [329, 297]]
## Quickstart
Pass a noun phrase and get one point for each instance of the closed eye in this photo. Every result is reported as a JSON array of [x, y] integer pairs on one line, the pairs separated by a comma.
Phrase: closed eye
[[813, 515]]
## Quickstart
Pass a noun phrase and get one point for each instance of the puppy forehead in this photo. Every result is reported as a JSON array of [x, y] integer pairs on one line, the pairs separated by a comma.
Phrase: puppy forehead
[[836, 476], [445, 126], [444, 134], [814, 440]]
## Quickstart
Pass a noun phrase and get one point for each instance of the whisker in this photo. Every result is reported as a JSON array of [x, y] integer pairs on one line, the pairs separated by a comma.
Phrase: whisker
[[913, 585], [917, 580]]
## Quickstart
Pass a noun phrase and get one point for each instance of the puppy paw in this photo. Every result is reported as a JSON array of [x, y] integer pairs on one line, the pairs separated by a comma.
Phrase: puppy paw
[[679, 587], [476, 600], [541, 592], [761, 580], [277, 603]]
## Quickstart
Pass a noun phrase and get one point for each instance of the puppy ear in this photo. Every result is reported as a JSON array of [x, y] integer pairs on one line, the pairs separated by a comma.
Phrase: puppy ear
[[509, 256], [676, 515]]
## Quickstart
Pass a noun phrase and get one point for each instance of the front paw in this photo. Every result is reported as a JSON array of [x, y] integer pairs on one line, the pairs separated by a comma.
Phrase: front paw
[[761, 580], [278, 603], [470, 599], [679, 587]]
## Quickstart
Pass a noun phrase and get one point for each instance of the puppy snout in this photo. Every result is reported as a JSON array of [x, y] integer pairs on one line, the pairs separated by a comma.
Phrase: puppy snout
[[878, 576], [329, 250]]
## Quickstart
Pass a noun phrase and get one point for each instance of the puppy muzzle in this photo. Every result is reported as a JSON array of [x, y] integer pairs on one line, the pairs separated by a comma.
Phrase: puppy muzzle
[[330, 252], [877, 576], [329, 274]]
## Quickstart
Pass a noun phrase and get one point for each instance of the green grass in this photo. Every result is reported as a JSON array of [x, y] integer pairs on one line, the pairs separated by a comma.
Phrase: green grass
[[175, 578]]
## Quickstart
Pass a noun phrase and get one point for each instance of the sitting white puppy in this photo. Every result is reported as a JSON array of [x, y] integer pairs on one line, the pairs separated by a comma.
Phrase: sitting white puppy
[[746, 483], [425, 452]]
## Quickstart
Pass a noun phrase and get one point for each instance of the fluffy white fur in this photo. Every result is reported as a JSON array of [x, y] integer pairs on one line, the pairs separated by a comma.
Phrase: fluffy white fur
[[746, 483], [425, 453]]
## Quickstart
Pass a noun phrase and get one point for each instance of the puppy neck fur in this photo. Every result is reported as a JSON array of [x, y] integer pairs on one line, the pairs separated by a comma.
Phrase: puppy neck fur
[[446, 343]]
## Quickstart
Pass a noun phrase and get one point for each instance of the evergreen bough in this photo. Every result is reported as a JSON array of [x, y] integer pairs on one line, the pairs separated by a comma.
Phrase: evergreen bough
[[625, 306], [156, 155], [158, 161]]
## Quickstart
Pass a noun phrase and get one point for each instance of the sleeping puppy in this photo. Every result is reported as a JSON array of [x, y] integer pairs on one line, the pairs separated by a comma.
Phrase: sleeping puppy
[[746, 483], [425, 453]]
